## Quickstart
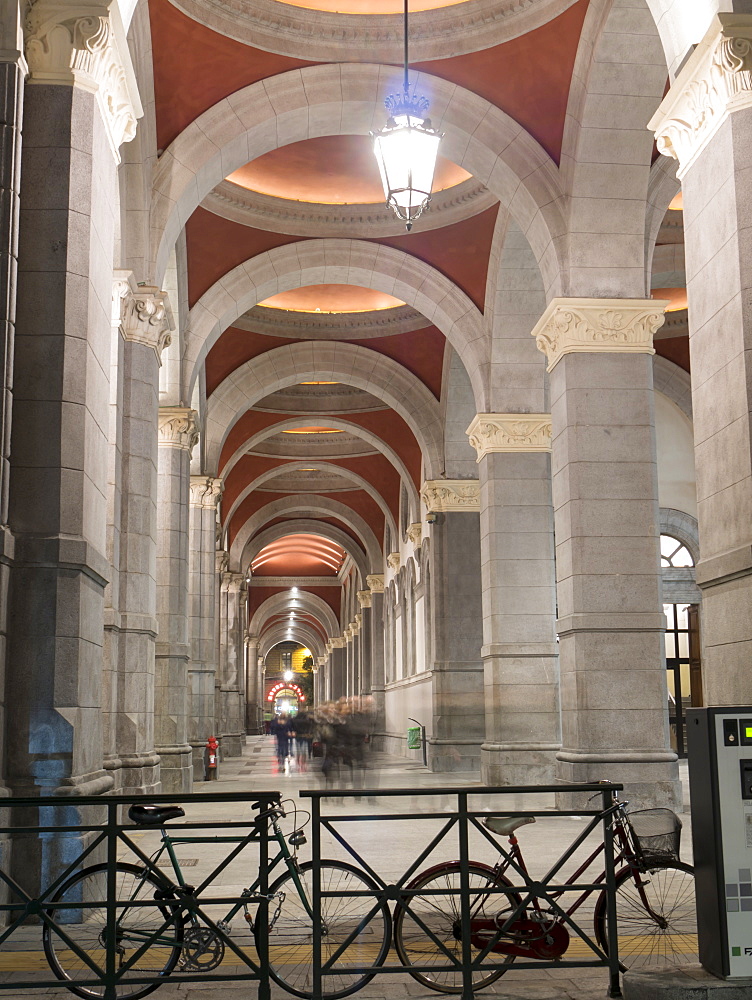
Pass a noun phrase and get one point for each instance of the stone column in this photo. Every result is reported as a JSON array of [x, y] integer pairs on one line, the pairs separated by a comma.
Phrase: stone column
[[520, 658], [178, 433], [338, 668], [12, 73], [231, 711], [254, 687], [202, 599], [705, 121], [364, 601], [458, 723], [79, 107], [605, 493], [145, 331], [375, 583]]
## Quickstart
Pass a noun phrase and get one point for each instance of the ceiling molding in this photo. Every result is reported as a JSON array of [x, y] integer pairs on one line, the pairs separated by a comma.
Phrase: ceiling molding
[[304, 218], [332, 326], [333, 37]]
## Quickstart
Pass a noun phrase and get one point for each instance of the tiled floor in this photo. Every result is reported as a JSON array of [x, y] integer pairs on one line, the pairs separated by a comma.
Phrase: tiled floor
[[389, 833]]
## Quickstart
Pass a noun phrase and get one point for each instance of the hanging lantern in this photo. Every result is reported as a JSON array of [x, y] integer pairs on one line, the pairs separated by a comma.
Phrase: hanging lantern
[[407, 148], [406, 152]]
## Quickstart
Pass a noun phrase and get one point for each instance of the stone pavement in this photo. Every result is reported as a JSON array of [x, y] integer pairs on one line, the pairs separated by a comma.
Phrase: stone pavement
[[388, 844]]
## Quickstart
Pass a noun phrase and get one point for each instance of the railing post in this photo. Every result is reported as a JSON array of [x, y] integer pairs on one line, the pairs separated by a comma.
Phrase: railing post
[[614, 988], [316, 859], [110, 972], [467, 958], [262, 913]]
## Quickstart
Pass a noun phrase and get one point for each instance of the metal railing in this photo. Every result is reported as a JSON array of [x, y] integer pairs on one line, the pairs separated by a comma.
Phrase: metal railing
[[36, 905], [524, 892]]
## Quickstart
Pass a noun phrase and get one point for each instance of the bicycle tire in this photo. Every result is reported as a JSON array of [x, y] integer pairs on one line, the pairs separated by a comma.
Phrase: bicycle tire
[[442, 916], [643, 943], [86, 931], [291, 937]]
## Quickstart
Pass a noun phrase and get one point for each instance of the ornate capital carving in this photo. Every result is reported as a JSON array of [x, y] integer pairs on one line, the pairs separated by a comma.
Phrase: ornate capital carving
[[375, 582], [589, 326], [446, 495], [490, 433], [364, 598], [415, 534], [145, 316], [715, 81], [178, 427], [338, 642], [205, 492], [82, 43], [348, 634], [358, 621], [221, 561], [393, 561]]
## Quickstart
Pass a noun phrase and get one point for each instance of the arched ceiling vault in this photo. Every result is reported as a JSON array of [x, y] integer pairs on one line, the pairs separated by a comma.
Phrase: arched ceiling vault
[[283, 603], [305, 635], [300, 526]]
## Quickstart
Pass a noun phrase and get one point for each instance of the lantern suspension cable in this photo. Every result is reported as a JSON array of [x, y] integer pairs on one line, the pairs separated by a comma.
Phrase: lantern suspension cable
[[406, 149]]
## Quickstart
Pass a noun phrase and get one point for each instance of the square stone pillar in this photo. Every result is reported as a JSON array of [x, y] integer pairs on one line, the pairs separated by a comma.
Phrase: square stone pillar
[[520, 658], [254, 687], [375, 583], [57, 504], [205, 493], [705, 121], [178, 433], [366, 642], [605, 495], [231, 711], [144, 329], [455, 594], [338, 669]]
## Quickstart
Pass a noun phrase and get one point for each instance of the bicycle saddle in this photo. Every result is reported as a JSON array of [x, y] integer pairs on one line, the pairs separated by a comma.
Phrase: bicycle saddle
[[506, 825], [151, 815]]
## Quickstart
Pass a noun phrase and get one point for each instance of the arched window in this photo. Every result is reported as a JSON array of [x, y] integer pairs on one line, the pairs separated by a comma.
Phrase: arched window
[[674, 553]]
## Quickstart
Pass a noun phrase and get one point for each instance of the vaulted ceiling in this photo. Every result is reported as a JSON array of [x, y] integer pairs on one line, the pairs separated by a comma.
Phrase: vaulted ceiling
[[316, 470]]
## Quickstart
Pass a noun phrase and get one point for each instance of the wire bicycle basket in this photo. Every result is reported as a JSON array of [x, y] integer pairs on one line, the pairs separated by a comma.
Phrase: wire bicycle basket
[[656, 834]]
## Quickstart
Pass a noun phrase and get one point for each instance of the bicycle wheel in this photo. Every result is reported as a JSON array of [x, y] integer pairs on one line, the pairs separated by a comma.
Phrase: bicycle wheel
[[440, 913], [655, 916], [86, 928], [342, 917]]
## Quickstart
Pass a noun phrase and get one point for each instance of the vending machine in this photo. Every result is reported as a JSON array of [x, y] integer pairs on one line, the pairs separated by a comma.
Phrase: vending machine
[[719, 745]]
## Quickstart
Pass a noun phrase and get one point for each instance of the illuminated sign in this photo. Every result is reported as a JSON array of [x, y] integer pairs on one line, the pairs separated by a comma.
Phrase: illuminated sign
[[284, 687]]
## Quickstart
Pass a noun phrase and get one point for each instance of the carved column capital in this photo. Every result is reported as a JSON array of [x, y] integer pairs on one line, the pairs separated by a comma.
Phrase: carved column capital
[[178, 427], [82, 43], [145, 316], [415, 534], [375, 582], [715, 81], [451, 495], [206, 492], [364, 598], [338, 642], [393, 561], [595, 326], [221, 561], [358, 621], [492, 433]]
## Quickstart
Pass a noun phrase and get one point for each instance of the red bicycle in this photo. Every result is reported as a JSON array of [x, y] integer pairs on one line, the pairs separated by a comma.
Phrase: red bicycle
[[655, 906]]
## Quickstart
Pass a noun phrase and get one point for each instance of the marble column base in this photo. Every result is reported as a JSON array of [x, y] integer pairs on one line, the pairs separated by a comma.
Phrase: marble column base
[[649, 779], [197, 760], [134, 773], [253, 723], [176, 770], [232, 744], [504, 764], [454, 755]]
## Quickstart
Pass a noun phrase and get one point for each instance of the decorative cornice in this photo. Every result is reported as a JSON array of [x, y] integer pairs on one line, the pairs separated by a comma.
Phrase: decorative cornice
[[364, 598], [415, 534], [491, 433], [393, 561], [338, 37], [300, 218], [451, 495], [178, 427], [205, 492], [82, 43], [715, 81], [145, 315], [375, 582], [588, 326], [332, 326]]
